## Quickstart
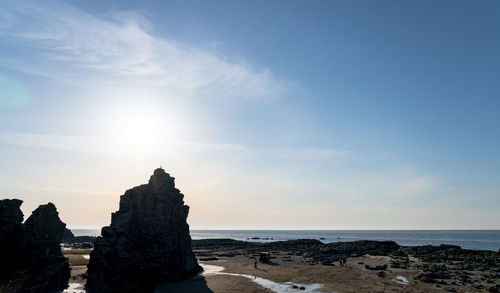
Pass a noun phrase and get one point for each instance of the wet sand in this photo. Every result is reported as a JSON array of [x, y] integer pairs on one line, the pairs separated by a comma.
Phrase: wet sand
[[352, 278], [213, 283]]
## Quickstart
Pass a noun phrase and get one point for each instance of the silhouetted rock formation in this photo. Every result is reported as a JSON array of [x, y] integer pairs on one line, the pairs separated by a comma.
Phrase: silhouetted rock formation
[[31, 255], [147, 243], [11, 219]]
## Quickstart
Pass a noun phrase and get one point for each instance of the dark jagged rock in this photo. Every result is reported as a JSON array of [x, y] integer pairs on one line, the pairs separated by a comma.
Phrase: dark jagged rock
[[11, 219], [204, 243], [376, 268], [147, 243], [39, 265], [445, 252], [332, 252], [79, 239], [43, 231], [314, 250]]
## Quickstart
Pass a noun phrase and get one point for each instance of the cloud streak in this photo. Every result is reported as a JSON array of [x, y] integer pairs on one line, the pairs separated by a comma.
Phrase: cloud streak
[[47, 141], [100, 144], [73, 46], [63, 190]]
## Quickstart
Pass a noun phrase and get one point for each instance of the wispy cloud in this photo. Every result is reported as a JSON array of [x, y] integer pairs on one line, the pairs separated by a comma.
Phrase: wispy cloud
[[88, 143], [100, 144], [70, 45], [49, 141], [306, 153], [63, 190]]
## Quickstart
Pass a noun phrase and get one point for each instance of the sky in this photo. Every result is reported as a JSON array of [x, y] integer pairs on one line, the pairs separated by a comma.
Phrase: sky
[[269, 114]]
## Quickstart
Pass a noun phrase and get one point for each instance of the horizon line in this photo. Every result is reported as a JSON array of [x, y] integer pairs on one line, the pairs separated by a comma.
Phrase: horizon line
[[487, 229]]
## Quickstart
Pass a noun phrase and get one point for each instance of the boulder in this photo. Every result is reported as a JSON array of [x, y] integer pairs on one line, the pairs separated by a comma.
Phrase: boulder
[[376, 268], [147, 243], [45, 230]]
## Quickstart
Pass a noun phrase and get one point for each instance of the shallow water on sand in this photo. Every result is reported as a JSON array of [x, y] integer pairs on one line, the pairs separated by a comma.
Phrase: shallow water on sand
[[268, 284], [401, 280], [74, 288]]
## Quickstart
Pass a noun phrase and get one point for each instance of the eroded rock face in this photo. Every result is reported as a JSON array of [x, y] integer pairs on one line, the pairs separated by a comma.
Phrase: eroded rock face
[[11, 219], [32, 260], [43, 232], [147, 243]]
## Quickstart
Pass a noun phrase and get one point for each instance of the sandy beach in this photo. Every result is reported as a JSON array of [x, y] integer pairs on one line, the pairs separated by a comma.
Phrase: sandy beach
[[288, 272], [352, 278]]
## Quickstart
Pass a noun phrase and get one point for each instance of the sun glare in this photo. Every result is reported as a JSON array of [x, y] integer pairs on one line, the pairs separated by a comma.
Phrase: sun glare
[[139, 128]]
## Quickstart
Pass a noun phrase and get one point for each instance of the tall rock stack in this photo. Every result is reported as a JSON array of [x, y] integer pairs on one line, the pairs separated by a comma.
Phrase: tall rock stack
[[147, 243], [31, 257]]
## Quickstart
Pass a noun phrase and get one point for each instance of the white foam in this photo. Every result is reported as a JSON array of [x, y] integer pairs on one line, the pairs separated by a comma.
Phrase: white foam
[[268, 284], [86, 256], [73, 288], [401, 280]]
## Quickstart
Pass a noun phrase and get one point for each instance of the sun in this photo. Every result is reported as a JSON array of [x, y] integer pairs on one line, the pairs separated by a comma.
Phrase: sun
[[139, 127]]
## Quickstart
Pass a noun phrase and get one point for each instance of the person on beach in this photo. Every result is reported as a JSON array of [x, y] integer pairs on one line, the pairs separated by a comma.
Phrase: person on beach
[[343, 261], [254, 262]]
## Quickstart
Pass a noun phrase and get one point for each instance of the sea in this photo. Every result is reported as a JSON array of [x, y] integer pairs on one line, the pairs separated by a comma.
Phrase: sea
[[469, 239]]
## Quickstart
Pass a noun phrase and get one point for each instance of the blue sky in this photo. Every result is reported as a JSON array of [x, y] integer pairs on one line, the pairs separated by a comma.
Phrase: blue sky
[[270, 114]]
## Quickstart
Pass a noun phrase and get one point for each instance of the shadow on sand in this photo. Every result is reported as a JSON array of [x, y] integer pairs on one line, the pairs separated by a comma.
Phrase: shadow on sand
[[260, 269], [196, 285]]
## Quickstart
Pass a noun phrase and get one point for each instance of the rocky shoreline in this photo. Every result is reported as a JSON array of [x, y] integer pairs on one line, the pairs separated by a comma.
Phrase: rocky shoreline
[[445, 266]]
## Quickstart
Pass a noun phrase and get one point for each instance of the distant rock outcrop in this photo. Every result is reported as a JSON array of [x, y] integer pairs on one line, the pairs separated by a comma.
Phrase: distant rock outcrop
[[31, 259], [147, 243]]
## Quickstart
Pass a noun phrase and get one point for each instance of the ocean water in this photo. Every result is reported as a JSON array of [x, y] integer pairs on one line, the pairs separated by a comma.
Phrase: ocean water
[[469, 239], [86, 232]]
